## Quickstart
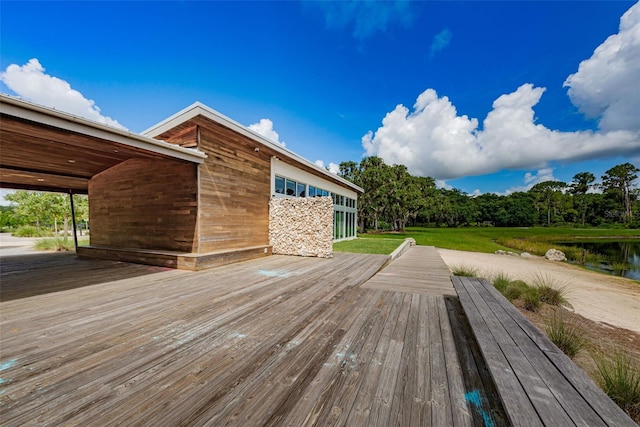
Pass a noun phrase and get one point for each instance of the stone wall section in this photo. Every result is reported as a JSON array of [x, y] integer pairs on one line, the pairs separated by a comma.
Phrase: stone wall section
[[301, 226]]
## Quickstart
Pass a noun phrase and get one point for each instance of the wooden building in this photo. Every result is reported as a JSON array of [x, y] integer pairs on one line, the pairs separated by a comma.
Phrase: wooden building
[[190, 192]]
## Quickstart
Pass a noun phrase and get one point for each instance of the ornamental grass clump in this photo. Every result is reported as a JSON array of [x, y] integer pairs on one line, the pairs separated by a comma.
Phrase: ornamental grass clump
[[531, 299], [515, 289], [549, 291], [619, 378], [464, 271], [500, 281], [571, 338]]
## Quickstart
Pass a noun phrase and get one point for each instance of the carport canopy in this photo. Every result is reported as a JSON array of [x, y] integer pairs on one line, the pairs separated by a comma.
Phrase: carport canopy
[[42, 149]]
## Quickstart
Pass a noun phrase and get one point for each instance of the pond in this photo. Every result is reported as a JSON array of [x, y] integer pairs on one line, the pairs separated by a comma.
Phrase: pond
[[620, 258]]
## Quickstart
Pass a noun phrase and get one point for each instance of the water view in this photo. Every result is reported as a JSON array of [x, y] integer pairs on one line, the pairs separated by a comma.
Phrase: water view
[[619, 258]]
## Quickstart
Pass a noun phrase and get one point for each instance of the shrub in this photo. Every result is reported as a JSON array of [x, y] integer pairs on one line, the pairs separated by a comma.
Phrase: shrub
[[619, 378], [463, 270], [515, 289], [570, 338], [30, 231], [55, 244]]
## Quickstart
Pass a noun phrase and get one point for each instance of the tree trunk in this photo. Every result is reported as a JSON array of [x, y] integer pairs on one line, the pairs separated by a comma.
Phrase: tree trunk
[[66, 228]]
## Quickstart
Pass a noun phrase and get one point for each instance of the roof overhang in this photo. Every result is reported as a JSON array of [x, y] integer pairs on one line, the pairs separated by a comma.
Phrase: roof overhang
[[48, 150], [199, 109]]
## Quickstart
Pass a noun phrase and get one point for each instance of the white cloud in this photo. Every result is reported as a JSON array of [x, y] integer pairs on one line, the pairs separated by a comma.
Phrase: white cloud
[[366, 17], [530, 179], [265, 128], [606, 86], [440, 183], [33, 84], [334, 168], [440, 41], [433, 140], [3, 193]]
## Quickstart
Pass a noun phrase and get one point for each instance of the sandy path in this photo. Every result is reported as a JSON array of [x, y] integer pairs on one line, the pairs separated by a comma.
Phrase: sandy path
[[596, 296]]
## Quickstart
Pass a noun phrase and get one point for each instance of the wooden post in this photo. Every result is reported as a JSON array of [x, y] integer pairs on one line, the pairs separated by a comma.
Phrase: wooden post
[[73, 221]]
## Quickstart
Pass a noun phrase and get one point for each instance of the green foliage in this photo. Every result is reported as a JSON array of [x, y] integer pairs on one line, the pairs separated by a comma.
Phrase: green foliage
[[394, 199], [8, 218], [570, 337], [619, 378], [42, 209], [30, 231], [619, 183], [464, 271]]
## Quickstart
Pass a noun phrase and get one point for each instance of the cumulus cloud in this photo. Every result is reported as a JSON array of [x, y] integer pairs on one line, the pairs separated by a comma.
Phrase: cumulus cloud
[[530, 179], [434, 140], [603, 86], [365, 17], [265, 128], [32, 83], [441, 183], [334, 168], [440, 41]]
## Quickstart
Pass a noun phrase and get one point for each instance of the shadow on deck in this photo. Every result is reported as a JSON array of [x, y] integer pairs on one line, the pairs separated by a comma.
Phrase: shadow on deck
[[24, 276]]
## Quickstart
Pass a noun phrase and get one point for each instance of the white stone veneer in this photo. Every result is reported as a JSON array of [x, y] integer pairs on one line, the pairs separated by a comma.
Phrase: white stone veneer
[[301, 226]]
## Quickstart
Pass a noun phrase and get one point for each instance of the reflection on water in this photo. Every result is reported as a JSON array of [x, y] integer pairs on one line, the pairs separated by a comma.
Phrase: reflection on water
[[620, 258]]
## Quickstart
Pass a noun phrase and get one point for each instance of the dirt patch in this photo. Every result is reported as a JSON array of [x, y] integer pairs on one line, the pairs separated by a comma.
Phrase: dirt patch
[[601, 298]]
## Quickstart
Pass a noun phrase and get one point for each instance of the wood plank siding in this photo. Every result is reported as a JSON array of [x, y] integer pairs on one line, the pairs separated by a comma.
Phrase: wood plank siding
[[145, 204], [234, 190]]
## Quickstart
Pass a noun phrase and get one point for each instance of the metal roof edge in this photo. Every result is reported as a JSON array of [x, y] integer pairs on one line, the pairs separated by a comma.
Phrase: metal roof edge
[[197, 108], [20, 108]]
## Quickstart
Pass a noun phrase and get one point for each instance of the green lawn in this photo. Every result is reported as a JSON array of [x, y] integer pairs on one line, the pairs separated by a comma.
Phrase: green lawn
[[475, 239], [365, 245]]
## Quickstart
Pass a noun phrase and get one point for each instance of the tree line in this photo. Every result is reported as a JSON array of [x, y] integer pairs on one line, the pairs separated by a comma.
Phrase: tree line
[[43, 210], [394, 199]]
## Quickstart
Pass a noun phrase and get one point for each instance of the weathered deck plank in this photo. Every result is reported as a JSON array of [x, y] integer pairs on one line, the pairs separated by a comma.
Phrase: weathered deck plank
[[418, 270], [275, 341]]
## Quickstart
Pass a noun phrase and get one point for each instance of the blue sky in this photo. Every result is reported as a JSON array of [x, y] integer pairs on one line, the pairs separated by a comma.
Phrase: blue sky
[[483, 96]]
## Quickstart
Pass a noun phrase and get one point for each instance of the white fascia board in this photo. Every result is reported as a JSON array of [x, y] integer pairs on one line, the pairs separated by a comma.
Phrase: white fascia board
[[198, 108], [28, 111]]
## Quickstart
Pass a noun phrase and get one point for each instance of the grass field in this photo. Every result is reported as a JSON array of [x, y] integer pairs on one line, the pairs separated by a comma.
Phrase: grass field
[[481, 239]]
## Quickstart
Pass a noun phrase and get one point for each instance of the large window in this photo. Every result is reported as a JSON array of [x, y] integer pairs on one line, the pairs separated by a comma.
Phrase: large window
[[344, 217]]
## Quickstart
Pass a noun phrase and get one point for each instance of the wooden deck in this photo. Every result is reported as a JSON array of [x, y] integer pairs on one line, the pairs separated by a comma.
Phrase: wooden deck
[[274, 341], [419, 270]]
